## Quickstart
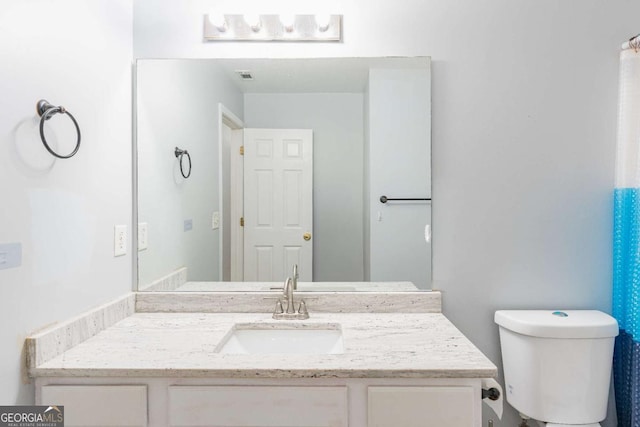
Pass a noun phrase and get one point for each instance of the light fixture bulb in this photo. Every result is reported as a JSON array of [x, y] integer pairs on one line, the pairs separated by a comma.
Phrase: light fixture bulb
[[323, 21], [254, 22], [288, 21], [219, 21]]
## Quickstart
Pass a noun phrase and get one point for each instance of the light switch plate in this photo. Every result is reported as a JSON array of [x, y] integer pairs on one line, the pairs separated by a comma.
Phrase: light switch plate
[[215, 220], [10, 255], [120, 240], [143, 242], [188, 225]]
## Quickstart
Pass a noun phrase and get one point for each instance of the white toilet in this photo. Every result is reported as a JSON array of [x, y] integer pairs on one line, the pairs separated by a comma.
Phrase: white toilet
[[557, 364]]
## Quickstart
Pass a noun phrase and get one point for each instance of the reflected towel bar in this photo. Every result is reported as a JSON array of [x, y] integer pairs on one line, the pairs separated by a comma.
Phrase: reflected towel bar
[[385, 199]]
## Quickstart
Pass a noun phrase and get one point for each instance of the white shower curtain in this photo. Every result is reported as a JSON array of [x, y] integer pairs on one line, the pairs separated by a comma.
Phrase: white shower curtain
[[626, 281]]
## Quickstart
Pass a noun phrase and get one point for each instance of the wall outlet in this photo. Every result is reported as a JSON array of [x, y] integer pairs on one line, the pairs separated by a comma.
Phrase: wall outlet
[[120, 240], [215, 220], [188, 225], [143, 243]]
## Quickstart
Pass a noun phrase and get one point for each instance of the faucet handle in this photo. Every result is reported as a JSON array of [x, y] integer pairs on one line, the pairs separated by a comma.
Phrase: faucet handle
[[295, 271], [302, 309], [279, 309]]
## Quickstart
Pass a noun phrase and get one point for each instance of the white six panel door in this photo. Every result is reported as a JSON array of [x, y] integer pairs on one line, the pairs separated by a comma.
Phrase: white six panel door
[[278, 203]]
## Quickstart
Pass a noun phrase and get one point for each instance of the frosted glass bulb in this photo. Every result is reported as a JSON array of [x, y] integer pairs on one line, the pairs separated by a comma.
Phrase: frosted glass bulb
[[288, 20], [254, 22], [218, 20], [323, 21]]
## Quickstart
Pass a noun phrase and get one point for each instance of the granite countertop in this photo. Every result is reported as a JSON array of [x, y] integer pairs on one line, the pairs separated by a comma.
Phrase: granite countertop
[[376, 345]]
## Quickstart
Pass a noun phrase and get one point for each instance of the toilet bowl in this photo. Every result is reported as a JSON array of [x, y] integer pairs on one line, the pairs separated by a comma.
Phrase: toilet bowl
[[557, 364]]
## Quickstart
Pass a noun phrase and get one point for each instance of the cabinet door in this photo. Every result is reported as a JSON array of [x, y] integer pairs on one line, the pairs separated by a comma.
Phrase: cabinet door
[[259, 406], [420, 406], [93, 406]]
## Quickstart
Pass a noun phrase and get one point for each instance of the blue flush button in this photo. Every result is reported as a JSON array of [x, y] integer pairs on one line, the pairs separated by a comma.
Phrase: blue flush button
[[560, 314]]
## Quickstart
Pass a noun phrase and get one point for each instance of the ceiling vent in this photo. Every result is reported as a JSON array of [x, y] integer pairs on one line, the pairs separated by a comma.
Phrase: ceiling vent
[[245, 74]]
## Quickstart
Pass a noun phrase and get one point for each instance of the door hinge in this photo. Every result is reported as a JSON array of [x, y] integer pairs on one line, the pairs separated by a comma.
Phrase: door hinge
[[242, 150], [241, 221]]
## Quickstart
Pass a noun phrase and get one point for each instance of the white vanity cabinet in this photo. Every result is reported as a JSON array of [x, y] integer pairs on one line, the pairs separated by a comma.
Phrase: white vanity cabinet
[[301, 402], [264, 406], [98, 405], [421, 406], [396, 370]]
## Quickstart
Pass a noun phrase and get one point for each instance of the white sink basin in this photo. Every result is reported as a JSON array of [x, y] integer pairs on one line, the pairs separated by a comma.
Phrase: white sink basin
[[315, 287], [283, 339]]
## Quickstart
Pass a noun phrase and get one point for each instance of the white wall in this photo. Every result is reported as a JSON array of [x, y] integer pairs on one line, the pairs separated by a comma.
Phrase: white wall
[[524, 115], [399, 146], [337, 123], [76, 54], [178, 106]]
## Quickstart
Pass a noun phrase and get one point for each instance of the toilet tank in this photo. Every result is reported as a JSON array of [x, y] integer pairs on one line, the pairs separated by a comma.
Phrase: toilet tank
[[557, 364]]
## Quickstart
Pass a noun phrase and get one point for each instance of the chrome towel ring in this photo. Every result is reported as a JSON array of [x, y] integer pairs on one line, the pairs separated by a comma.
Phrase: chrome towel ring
[[46, 111], [179, 153]]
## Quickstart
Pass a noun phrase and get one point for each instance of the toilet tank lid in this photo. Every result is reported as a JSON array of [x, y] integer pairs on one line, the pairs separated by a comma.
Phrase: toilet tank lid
[[558, 323]]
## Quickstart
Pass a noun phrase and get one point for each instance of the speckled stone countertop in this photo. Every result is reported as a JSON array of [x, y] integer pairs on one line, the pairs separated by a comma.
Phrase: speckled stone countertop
[[376, 345]]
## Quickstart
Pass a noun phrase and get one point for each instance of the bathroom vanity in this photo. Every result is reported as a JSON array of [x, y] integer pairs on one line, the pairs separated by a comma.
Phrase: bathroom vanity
[[152, 360]]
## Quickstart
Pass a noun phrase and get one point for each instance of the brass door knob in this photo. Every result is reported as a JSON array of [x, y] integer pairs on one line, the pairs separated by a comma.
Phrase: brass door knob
[[306, 236]]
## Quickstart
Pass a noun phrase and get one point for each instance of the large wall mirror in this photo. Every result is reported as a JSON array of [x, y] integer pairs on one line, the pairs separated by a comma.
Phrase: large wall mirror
[[246, 167]]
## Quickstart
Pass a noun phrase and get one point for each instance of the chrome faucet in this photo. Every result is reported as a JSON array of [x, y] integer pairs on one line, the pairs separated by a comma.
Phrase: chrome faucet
[[290, 313]]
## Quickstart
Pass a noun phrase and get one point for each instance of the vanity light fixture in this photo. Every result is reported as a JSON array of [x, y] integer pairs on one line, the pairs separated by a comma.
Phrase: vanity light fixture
[[284, 27]]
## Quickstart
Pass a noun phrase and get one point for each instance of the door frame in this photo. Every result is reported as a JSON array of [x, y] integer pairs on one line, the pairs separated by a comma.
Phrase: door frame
[[226, 117]]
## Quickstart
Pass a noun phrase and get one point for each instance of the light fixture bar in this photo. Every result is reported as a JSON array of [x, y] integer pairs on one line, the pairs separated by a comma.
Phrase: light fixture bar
[[298, 28]]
